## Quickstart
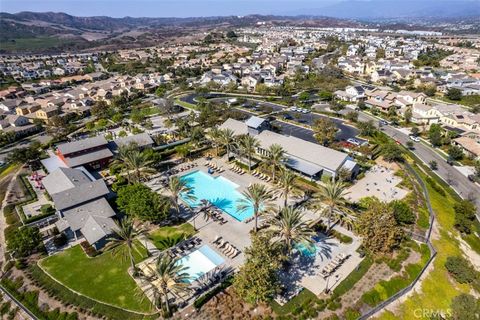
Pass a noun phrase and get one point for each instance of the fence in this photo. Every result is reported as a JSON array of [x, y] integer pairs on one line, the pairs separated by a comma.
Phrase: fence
[[433, 253]]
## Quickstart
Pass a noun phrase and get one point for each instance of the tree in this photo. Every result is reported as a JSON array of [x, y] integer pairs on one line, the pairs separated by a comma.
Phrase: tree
[[454, 94], [167, 277], [287, 185], [23, 155], [288, 226], [464, 216], [176, 187], [402, 212], [24, 241], [274, 158], [215, 136], [435, 134], [465, 307], [415, 131], [330, 202], [231, 34], [100, 109], [324, 130], [133, 162], [258, 197], [125, 240], [392, 152], [410, 145], [408, 115], [227, 140], [433, 165], [455, 153], [248, 146], [257, 279], [139, 201], [367, 128], [461, 270], [352, 116], [379, 229]]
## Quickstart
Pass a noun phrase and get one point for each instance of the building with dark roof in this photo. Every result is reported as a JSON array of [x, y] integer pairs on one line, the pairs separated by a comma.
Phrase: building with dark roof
[[92, 152]]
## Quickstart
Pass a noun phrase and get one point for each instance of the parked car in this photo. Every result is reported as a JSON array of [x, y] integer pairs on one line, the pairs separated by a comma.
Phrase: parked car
[[287, 116], [414, 138], [354, 141]]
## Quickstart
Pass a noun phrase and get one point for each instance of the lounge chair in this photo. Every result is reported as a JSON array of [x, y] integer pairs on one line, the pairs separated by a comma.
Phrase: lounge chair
[[222, 243], [217, 238]]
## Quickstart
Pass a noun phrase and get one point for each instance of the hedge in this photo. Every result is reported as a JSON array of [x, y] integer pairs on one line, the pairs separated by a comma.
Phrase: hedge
[[67, 296]]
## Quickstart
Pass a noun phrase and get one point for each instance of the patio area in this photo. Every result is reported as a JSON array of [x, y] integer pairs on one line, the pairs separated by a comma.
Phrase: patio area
[[379, 182]]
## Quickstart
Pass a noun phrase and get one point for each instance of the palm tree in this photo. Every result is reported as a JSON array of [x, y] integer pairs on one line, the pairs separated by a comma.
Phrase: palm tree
[[227, 140], [167, 277], [286, 185], [288, 226], [216, 137], [257, 196], [125, 234], [275, 157], [332, 194], [176, 187], [248, 145], [135, 163]]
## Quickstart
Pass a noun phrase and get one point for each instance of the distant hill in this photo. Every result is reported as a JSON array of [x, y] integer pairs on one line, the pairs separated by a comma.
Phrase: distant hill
[[375, 9]]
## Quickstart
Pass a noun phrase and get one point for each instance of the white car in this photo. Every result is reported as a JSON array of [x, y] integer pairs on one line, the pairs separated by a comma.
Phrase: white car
[[415, 138], [293, 109]]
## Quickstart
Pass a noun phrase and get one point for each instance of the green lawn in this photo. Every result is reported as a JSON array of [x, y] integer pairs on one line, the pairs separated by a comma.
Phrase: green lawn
[[185, 104], [103, 278], [166, 237]]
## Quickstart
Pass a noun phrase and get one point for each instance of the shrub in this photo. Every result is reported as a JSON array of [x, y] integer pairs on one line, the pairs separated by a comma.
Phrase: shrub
[[460, 269], [435, 186], [465, 307], [209, 295], [464, 216], [402, 212]]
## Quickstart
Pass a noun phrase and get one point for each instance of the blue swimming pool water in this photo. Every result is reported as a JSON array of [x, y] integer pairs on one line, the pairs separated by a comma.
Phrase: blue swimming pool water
[[200, 262], [307, 250], [219, 191]]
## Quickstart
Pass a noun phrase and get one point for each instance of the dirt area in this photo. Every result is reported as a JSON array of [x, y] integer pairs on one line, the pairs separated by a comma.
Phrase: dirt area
[[227, 306], [390, 165]]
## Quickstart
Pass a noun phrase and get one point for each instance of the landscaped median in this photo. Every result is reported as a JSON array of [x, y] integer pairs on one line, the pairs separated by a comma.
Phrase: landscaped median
[[103, 278]]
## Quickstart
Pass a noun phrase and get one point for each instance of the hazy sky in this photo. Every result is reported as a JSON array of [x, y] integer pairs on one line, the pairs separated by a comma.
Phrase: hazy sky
[[161, 8], [166, 8]]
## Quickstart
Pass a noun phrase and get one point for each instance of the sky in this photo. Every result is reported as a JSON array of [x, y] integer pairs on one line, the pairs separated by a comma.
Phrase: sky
[[161, 8], [169, 8]]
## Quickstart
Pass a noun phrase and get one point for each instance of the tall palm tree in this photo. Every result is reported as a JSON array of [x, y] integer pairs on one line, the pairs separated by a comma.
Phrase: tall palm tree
[[176, 187], [258, 197], [288, 226], [286, 185], [332, 195], [215, 135], [125, 236], [227, 140], [135, 163], [274, 158], [248, 145], [167, 277]]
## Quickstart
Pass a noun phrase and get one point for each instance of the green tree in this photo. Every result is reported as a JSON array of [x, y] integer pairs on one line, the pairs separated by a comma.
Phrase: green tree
[[275, 156], [330, 202], [454, 94], [379, 229], [135, 164], [257, 279], [324, 130], [408, 115], [167, 278], [125, 240], [248, 146], [231, 34], [178, 187], [455, 153], [465, 307], [258, 197], [464, 216], [435, 134], [24, 241], [392, 152], [23, 155], [227, 140], [402, 212], [286, 185], [367, 128], [139, 201], [289, 226]]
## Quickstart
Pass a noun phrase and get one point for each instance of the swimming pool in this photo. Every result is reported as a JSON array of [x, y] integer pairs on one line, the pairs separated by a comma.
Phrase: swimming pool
[[219, 191], [307, 250], [200, 261]]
